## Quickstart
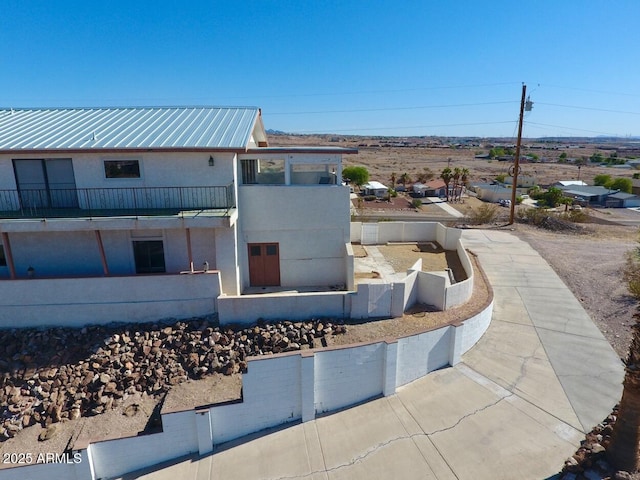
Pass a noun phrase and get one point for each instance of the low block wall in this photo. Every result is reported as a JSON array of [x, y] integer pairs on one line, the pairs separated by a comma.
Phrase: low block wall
[[410, 232], [178, 438], [76, 302], [246, 309], [277, 390]]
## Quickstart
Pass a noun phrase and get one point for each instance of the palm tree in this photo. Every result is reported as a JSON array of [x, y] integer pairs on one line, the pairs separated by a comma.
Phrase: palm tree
[[624, 449], [393, 180], [456, 176], [464, 178], [446, 176]]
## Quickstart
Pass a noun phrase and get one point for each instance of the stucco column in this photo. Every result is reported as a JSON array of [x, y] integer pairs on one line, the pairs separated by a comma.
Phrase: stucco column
[[307, 390], [205, 434], [455, 348], [390, 368], [287, 171], [227, 258]]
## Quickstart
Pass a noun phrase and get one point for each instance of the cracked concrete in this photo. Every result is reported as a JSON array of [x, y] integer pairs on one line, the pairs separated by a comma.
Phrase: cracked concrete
[[516, 407]]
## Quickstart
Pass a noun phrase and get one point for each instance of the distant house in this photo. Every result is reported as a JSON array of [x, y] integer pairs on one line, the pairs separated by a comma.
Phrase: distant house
[[375, 188], [623, 200], [523, 181], [492, 192], [569, 183], [433, 188], [588, 194], [635, 188]]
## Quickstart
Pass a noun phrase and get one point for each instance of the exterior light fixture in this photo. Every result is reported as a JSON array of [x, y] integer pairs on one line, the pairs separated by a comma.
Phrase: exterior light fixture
[[211, 161]]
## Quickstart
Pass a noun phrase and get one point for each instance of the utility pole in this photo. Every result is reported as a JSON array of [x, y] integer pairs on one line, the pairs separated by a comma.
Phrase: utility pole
[[516, 161]]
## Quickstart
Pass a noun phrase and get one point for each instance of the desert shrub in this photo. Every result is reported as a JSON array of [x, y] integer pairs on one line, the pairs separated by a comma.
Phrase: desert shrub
[[370, 198], [575, 216], [519, 199], [393, 193], [416, 203], [486, 213], [548, 220]]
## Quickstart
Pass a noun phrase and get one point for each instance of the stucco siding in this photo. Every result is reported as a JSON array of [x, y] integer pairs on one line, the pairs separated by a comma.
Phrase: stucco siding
[[312, 253]]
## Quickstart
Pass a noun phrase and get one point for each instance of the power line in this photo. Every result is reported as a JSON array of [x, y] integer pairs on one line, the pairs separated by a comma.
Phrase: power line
[[575, 129], [592, 91], [404, 127], [588, 108], [368, 92], [386, 109]]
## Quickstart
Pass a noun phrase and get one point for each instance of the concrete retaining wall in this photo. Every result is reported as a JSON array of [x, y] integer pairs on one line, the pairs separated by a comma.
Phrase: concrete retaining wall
[[56, 302], [278, 390]]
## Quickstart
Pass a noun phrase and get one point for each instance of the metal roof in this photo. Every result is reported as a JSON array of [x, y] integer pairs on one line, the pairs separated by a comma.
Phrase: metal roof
[[109, 128]]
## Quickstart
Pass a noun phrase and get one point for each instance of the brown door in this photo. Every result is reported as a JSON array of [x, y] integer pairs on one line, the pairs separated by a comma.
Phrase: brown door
[[264, 264]]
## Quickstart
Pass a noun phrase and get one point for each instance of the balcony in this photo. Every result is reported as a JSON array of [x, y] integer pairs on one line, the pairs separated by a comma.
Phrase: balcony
[[51, 203]]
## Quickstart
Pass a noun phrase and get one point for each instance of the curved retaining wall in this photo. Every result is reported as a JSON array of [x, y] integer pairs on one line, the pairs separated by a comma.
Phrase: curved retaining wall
[[277, 390]]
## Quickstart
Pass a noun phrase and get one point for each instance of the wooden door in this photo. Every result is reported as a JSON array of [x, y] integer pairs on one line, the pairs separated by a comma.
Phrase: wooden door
[[264, 264]]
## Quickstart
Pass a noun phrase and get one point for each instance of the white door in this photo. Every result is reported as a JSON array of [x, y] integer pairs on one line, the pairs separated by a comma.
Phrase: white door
[[369, 234]]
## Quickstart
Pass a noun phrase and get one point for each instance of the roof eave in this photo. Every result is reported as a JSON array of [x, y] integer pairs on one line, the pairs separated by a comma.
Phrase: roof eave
[[64, 151]]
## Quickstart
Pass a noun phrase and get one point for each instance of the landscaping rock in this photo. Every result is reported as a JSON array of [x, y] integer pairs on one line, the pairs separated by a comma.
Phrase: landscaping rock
[[83, 372]]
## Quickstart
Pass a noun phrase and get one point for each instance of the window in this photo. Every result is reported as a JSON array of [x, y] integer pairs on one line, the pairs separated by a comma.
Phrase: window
[[3, 258], [122, 168], [249, 170], [314, 174], [149, 256]]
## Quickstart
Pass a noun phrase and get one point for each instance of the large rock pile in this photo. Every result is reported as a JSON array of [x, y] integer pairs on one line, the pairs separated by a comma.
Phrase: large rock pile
[[50, 375]]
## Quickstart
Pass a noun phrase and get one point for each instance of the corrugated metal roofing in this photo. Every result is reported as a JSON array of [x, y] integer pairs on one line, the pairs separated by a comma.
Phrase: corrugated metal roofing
[[126, 128]]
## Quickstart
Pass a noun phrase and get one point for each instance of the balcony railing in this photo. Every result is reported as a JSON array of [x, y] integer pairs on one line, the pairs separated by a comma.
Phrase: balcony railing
[[107, 202]]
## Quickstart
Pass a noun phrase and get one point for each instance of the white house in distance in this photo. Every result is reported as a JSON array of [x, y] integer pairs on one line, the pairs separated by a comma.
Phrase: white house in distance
[[149, 213], [375, 188]]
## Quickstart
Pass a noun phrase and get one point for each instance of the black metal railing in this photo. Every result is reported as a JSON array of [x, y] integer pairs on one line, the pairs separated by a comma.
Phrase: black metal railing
[[105, 202]]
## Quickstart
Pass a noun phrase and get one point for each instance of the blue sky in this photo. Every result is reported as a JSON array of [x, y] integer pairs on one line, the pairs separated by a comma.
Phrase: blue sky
[[377, 67]]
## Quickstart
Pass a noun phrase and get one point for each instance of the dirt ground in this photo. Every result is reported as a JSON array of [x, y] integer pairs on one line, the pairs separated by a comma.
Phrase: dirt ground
[[382, 161], [434, 258]]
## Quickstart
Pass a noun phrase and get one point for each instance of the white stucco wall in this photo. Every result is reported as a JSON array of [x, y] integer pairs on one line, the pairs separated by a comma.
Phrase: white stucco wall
[[310, 223], [247, 309], [271, 396], [421, 354], [406, 231], [76, 253], [347, 376], [79, 301], [116, 457], [157, 169]]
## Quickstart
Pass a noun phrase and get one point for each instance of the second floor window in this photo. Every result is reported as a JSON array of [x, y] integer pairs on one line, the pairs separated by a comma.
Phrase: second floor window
[[249, 170], [122, 168]]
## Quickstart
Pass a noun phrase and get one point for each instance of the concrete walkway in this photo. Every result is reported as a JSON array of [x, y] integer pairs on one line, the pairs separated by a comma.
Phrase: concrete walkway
[[516, 407], [446, 207]]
